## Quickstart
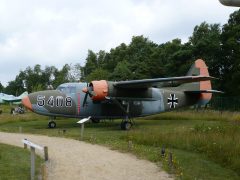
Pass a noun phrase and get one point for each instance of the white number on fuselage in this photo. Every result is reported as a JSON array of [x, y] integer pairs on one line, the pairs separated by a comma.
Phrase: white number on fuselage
[[52, 101]]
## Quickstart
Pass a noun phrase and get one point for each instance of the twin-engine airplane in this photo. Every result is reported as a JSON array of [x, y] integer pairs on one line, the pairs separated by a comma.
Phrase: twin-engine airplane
[[128, 99]]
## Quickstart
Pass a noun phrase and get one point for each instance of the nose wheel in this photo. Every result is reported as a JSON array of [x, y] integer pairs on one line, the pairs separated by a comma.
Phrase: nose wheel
[[52, 124]]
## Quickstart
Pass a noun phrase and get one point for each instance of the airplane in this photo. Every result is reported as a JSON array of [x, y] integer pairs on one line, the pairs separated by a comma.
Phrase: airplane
[[230, 2], [5, 98], [123, 99]]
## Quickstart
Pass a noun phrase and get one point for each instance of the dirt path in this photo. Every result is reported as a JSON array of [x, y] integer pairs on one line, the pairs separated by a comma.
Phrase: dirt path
[[72, 159]]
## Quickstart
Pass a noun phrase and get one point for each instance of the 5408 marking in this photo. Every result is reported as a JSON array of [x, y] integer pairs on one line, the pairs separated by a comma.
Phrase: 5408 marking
[[58, 101]]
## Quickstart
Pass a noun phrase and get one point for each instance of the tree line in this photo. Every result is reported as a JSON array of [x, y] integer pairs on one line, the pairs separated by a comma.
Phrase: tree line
[[218, 45]]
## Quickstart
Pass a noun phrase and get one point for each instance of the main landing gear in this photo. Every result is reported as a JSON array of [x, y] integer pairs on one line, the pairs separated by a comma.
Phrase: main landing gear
[[52, 124], [126, 124]]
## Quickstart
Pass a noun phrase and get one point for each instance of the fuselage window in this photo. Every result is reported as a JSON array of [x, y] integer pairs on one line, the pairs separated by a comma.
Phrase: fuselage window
[[67, 89]]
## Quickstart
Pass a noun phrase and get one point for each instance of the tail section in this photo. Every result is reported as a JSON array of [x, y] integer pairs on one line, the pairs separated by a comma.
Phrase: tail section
[[23, 95], [204, 85], [203, 89]]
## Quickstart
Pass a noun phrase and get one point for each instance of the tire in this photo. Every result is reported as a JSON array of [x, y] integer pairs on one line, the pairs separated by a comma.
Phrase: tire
[[52, 124], [126, 125]]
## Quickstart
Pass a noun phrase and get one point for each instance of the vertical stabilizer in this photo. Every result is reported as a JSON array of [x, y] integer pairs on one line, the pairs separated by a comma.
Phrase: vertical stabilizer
[[199, 68]]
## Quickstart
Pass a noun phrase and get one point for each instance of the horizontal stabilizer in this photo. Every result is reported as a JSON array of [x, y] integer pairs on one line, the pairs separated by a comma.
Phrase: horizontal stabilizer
[[204, 91]]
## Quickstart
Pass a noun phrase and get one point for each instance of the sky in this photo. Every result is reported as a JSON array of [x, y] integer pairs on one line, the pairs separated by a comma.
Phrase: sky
[[56, 32]]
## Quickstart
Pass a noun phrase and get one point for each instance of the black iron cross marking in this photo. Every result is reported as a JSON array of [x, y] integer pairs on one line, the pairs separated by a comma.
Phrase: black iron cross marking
[[172, 101]]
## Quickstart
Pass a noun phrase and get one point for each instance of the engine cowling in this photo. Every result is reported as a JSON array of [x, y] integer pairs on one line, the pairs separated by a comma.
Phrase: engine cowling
[[100, 89], [230, 2]]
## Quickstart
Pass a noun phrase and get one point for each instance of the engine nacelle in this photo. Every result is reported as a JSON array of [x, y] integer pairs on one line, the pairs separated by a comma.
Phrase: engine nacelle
[[230, 2], [100, 89]]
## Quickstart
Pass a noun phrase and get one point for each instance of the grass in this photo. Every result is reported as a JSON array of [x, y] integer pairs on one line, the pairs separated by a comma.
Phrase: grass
[[9, 169], [204, 144]]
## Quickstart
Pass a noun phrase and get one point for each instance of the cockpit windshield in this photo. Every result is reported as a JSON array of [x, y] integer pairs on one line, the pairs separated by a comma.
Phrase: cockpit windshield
[[67, 89]]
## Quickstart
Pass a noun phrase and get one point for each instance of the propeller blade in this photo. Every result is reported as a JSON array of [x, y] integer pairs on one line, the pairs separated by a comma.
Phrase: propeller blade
[[92, 93], [85, 100], [88, 92], [85, 90]]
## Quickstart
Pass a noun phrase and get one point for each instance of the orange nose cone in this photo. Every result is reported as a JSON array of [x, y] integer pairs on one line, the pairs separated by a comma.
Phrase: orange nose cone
[[26, 102]]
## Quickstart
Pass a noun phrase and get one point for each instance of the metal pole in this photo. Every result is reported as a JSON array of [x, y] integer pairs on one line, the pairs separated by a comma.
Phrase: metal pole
[[32, 163], [20, 129], [82, 129]]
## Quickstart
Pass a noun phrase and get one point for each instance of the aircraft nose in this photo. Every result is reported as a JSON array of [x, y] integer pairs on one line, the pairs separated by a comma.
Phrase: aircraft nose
[[27, 103]]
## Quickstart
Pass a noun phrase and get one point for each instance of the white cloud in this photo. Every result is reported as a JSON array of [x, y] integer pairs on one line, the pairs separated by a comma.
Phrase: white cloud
[[57, 32]]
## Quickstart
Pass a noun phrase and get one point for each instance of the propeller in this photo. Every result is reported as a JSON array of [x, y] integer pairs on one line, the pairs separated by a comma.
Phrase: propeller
[[88, 92]]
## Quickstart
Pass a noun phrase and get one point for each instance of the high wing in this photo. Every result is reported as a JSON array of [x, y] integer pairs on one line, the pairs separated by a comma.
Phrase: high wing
[[146, 83]]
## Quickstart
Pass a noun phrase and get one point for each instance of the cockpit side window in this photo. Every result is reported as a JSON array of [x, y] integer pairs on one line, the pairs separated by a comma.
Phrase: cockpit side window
[[67, 89], [72, 89], [60, 88]]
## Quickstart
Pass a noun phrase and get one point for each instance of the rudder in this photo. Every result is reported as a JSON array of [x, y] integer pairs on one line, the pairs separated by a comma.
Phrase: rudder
[[199, 68]]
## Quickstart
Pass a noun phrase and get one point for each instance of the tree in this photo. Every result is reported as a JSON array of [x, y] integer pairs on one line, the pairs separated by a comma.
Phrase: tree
[[230, 55], [91, 64], [12, 88], [98, 74], [49, 74], [1, 87], [74, 74], [122, 72], [206, 44], [61, 76], [115, 56]]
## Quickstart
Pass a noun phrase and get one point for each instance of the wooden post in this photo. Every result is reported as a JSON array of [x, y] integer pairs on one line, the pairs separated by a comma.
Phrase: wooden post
[[163, 151], [45, 153], [170, 160], [25, 145], [44, 172], [32, 163], [130, 145]]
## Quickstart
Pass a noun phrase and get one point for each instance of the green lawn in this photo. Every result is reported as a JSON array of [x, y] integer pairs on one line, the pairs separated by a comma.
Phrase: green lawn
[[15, 163], [204, 144]]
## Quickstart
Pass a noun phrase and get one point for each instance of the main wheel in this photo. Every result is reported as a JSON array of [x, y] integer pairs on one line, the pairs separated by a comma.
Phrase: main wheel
[[52, 124], [125, 125]]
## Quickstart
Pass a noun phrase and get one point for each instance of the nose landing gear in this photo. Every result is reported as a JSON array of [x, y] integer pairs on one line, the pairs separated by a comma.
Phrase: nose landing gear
[[52, 124]]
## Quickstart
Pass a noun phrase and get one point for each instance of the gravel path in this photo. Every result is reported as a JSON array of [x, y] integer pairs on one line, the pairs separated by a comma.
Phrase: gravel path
[[72, 159]]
